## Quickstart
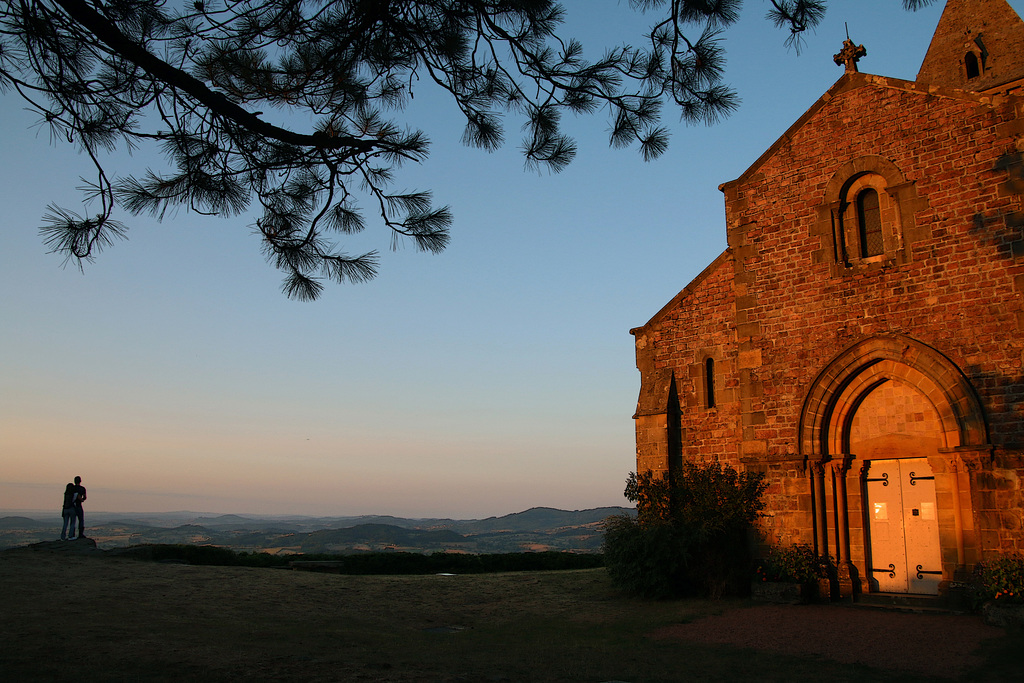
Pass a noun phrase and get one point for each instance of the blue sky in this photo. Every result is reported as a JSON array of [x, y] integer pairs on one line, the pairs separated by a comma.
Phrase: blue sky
[[494, 377]]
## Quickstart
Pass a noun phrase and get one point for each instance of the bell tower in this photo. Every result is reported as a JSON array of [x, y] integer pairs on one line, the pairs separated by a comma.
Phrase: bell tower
[[977, 46]]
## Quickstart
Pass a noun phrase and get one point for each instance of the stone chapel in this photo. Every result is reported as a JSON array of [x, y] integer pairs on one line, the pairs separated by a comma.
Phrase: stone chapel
[[861, 339]]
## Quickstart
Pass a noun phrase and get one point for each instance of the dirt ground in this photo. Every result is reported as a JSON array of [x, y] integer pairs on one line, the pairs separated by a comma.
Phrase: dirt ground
[[938, 645], [92, 617]]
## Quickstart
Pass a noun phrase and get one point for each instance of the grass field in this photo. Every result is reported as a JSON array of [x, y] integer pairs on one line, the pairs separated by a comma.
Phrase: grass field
[[98, 618]]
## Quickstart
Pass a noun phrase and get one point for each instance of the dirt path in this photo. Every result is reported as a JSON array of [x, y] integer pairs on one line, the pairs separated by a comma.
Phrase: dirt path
[[940, 645]]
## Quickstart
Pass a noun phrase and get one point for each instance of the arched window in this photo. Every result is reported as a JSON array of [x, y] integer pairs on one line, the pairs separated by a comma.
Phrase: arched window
[[869, 221], [867, 201], [709, 383], [971, 65]]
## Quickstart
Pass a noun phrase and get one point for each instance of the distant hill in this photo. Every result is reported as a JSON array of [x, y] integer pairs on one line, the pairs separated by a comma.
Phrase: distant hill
[[540, 518], [22, 523], [229, 521], [539, 528]]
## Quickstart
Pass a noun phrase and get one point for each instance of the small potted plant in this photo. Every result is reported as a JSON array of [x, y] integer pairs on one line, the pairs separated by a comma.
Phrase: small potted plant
[[792, 575]]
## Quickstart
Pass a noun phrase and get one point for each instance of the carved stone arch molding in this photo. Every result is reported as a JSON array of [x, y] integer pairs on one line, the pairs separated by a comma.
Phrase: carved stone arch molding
[[871, 163], [836, 392]]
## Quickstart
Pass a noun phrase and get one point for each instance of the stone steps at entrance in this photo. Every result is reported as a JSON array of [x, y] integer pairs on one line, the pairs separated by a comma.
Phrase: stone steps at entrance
[[906, 602]]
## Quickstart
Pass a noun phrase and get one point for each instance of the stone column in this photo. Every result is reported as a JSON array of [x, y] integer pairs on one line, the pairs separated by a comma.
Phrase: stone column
[[956, 467], [848, 583], [965, 460], [839, 469], [817, 473]]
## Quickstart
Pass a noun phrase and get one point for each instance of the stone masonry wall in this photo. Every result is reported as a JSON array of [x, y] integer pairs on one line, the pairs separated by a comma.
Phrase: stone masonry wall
[[677, 344], [999, 503], [992, 34]]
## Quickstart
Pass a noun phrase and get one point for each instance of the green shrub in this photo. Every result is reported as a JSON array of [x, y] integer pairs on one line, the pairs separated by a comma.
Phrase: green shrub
[[690, 535], [180, 552], [1001, 580], [647, 559], [372, 562], [798, 563]]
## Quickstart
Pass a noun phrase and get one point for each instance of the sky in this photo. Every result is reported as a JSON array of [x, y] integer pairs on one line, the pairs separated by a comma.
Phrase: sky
[[500, 375]]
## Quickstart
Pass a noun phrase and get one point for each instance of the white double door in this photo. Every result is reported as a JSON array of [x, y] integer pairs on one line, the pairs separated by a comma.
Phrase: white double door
[[903, 526]]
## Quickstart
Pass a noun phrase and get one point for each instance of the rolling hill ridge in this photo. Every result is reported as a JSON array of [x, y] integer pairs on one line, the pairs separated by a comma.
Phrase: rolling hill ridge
[[536, 529]]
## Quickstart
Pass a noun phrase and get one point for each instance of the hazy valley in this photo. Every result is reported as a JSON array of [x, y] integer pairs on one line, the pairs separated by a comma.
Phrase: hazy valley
[[536, 529]]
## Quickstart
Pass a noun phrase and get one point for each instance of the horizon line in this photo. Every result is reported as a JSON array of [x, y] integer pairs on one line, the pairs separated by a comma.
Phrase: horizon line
[[6, 512]]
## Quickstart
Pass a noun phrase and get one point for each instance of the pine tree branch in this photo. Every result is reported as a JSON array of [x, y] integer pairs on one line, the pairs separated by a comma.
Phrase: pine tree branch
[[217, 103]]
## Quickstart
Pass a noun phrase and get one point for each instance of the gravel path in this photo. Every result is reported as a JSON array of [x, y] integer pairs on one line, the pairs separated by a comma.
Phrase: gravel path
[[941, 645]]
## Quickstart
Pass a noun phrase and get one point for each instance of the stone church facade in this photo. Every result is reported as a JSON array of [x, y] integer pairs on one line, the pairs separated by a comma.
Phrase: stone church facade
[[861, 339]]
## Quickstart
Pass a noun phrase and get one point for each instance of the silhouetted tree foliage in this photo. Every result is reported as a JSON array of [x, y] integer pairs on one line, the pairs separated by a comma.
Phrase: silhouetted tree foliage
[[691, 533], [223, 88]]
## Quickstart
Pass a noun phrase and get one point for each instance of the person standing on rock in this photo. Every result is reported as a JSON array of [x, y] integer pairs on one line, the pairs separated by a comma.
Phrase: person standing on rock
[[79, 512], [68, 512]]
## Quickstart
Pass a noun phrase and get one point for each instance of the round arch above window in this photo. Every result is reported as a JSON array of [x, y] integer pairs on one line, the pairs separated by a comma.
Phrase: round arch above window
[[871, 163]]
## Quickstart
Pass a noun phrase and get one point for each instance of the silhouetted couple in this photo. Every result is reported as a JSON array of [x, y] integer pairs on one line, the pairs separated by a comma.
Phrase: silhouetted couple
[[74, 496]]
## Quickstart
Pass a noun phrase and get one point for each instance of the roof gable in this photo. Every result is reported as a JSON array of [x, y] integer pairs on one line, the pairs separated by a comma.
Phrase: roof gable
[[724, 259], [978, 45], [853, 81]]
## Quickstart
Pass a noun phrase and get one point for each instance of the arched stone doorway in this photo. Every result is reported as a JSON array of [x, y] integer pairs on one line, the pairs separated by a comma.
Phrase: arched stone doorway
[[894, 431], [885, 429]]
